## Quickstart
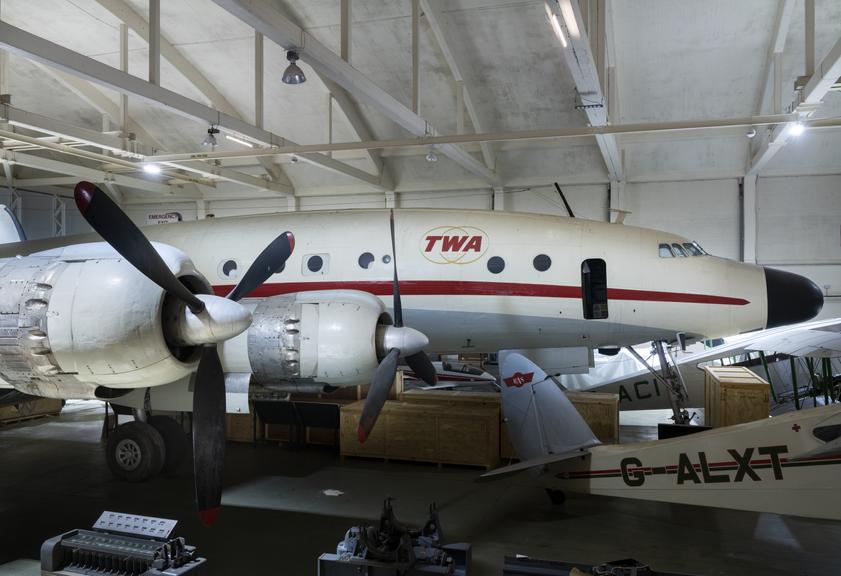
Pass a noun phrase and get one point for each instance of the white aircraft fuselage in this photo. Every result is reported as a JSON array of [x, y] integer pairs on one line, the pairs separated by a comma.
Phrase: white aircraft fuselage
[[479, 281]]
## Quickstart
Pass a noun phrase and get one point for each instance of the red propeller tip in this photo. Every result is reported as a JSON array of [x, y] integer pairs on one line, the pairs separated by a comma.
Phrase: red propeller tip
[[209, 516], [291, 238], [83, 195], [360, 433]]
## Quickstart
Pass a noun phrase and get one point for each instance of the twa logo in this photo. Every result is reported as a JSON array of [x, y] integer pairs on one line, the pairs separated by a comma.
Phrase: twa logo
[[454, 244], [519, 379]]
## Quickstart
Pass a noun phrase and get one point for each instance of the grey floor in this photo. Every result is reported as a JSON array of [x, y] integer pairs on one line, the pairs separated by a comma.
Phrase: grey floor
[[277, 517]]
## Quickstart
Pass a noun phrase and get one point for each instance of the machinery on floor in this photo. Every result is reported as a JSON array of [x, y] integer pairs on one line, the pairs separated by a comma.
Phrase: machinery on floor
[[122, 545], [393, 549]]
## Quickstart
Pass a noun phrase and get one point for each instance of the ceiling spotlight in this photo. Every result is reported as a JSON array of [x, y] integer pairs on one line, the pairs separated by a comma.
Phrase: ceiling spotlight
[[796, 129], [431, 156], [751, 133], [293, 74], [210, 139], [151, 168]]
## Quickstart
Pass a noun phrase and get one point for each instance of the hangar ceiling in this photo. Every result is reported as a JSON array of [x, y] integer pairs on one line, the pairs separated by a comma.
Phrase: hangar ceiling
[[656, 63]]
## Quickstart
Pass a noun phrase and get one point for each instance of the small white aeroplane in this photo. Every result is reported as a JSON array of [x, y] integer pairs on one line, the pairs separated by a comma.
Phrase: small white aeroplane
[[789, 464], [639, 389]]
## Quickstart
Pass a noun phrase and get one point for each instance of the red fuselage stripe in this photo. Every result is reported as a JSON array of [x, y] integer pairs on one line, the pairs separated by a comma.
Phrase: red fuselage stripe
[[461, 288]]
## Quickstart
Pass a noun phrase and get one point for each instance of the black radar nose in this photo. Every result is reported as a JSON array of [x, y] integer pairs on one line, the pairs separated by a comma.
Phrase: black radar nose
[[791, 298]]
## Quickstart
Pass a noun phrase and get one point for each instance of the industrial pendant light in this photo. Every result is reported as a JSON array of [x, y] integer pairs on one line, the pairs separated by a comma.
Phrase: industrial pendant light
[[210, 139], [293, 73]]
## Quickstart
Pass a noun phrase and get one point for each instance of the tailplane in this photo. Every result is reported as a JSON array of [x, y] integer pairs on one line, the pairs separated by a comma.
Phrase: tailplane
[[10, 229], [542, 422]]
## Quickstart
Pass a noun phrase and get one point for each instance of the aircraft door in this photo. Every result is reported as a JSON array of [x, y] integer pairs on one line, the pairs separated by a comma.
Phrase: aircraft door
[[594, 288]]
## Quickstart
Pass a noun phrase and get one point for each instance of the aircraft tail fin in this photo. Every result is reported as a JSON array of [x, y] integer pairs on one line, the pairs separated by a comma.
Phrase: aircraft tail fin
[[10, 229], [542, 422]]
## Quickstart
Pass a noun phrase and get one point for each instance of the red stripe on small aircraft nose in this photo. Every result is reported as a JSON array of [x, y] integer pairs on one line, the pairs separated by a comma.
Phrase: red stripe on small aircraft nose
[[462, 288]]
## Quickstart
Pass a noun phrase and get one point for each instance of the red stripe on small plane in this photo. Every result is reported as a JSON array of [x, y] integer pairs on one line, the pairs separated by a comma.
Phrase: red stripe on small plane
[[462, 288]]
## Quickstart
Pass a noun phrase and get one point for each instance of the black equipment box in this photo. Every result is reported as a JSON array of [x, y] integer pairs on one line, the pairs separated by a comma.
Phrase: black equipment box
[[121, 544]]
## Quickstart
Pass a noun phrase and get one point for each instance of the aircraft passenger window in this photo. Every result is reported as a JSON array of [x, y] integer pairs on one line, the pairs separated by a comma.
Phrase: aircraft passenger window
[[315, 264], [666, 251], [827, 433], [386, 259], [594, 288], [228, 269], [691, 249], [679, 250], [365, 260], [496, 265], [542, 262]]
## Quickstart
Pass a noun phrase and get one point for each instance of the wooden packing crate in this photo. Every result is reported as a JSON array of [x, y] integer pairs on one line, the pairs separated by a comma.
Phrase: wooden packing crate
[[312, 434], [30, 409], [733, 395], [240, 427], [600, 410], [458, 433]]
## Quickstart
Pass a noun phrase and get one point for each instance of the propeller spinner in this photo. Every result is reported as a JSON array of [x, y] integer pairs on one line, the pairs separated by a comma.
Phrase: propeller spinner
[[206, 320], [392, 342]]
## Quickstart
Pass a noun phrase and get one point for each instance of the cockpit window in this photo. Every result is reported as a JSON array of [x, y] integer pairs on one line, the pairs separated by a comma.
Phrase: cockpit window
[[691, 249], [666, 251], [701, 250], [679, 250], [827, 433]]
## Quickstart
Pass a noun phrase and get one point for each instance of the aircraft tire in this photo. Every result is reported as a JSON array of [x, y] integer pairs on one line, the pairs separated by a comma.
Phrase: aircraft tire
[[135, 451], [176, 443]]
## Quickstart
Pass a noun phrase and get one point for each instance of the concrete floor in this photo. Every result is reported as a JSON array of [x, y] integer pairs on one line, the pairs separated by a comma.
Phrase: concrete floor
[[276, 516]]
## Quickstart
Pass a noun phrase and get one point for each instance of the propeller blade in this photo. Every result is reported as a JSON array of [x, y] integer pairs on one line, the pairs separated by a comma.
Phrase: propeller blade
[[395, 288], [422, 366], [209, 434], [377, 394], [119, 231], [269, 262]]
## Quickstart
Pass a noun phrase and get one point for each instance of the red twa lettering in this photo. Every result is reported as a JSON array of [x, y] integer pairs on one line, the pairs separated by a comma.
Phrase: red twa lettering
[[453, 243], [430, 242], [475, 244]]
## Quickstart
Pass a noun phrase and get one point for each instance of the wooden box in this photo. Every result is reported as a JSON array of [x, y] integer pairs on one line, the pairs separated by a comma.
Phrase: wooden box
[[733, 395], [444, 433], [29, 409], [240, 427]]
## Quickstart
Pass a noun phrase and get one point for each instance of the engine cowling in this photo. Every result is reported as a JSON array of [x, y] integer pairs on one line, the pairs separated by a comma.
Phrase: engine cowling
[[308, 340], [68, 323]]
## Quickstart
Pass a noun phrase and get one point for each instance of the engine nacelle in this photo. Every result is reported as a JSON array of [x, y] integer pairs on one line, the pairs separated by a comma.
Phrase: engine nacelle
[[319, 337], [79, 317]]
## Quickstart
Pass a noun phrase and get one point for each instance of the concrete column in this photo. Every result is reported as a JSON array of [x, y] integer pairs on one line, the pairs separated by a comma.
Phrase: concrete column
[[292, 203], [415, 56], [155, 42], [258, 79], [617, 199], [124, 68], [346, 30], [201, 209], [390, 199], [749, 219]]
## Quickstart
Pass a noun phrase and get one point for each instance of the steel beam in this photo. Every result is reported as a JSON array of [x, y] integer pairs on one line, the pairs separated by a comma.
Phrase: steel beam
[[59, 213], [155, 42], [432, 9], [41, 50], [578, 56], [775, 47], [264, 17], [804, 104], [85, 172]]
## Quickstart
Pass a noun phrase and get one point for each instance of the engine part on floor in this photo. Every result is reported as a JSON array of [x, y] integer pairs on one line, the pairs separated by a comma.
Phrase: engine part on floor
[[122, 544], [393, 549], [524, 566]]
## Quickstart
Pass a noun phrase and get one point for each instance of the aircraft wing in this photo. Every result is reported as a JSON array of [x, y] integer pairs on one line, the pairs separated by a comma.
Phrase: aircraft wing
[[822, 341], [500, 473]]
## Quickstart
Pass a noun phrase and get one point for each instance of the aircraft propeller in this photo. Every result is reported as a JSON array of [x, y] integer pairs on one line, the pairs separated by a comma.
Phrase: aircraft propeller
[[213, 319], [396, 340]]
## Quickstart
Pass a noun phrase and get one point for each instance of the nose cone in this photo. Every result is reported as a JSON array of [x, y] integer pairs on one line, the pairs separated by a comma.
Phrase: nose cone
[[408, 340], [221, 320], [791, 298]]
